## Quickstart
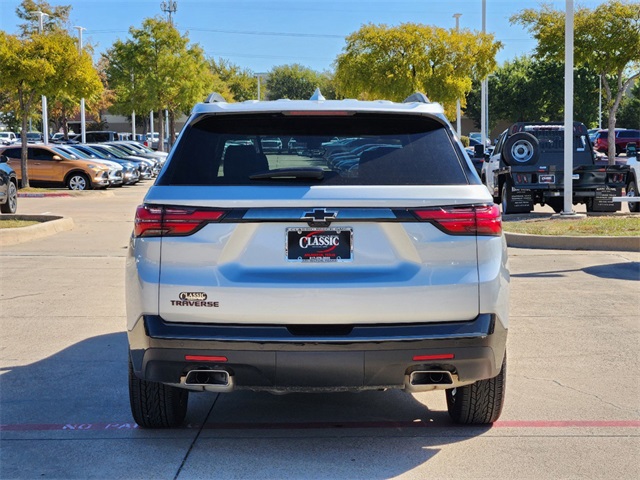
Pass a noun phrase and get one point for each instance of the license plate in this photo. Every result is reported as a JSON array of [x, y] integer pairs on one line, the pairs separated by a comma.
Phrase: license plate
[[319, 244]]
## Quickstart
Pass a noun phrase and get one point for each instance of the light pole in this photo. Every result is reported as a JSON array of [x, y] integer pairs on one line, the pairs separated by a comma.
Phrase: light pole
[[458, 129], [133, 113], [259, 76], [45, 116], [483, 92], [83, 125], [568, 109]]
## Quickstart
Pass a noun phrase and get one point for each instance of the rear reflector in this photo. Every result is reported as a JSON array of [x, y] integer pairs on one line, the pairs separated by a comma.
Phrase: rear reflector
[[440, 356], [156, 221], [482, 220], [204, 358]]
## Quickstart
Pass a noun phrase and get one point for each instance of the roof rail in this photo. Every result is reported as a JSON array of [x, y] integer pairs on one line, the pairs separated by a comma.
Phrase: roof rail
[[215, 98], [417, 97]]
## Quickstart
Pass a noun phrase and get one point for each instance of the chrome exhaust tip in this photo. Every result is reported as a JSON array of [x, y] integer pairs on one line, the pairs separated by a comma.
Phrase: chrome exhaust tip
[[200, 378], [431, 377]]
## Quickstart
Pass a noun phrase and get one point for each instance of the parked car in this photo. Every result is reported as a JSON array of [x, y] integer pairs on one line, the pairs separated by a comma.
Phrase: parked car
[[135, 149], [130, 170], [527, 168], [116, 172], [34, 137], [271, 145], [623, 136], [8, 138], [50, 165], [99, 136], [145, 167], [247, 273], [8, 187], [634, 176]]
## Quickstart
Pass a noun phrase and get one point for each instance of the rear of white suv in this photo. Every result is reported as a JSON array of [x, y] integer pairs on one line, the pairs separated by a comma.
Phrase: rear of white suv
[[254, 269]]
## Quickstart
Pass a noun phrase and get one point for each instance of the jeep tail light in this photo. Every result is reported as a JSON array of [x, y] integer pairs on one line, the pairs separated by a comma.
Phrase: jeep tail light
[[156, 221], [482, 220]]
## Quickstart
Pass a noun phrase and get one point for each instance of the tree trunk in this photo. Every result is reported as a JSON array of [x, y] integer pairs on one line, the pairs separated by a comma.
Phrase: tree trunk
[[611, 137], [172, 128]]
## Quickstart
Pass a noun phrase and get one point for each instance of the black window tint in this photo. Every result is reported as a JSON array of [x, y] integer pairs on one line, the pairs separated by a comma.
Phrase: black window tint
[[13, 152], [40, 154], [360, 149]]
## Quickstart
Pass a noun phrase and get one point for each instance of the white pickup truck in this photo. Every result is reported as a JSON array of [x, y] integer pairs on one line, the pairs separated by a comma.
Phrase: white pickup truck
[[632, 179]]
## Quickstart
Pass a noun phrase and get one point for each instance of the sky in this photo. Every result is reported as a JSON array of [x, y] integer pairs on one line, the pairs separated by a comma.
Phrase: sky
[[259, 35]]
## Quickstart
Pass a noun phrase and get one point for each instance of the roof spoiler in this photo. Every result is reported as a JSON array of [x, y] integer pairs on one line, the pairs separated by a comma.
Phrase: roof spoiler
[[215, 98], [418, 97]]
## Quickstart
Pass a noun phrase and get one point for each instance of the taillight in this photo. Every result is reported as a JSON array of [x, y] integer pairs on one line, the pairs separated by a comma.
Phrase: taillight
[[483, 220], [156, 221]]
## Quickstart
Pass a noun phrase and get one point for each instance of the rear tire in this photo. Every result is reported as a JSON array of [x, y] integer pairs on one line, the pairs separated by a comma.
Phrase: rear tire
[[155, 405], [11, 205], [632, 191], [479, 403]]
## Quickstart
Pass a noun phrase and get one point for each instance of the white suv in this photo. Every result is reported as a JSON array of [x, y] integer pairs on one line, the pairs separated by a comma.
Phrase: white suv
[[254, 269]]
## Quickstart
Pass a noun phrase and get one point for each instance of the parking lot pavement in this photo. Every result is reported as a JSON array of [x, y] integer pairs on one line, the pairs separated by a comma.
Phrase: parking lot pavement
[[573, 392]]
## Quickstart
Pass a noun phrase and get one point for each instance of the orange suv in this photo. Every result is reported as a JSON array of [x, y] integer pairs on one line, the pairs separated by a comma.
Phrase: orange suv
[[53, 166]]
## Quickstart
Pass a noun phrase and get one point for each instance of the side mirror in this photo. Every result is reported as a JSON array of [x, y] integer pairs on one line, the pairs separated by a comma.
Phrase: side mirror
[[478, 151], [4, 159], [57, 157]]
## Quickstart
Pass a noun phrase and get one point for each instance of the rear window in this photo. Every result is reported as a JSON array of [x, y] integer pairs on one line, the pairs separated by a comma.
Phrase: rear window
[[359, 149]]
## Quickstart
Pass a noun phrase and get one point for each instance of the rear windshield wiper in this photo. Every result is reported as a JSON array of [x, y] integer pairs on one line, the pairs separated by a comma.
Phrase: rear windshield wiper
[[313, 173]]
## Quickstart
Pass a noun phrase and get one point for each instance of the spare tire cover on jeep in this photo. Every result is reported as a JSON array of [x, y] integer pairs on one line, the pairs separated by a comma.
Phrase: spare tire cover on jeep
[[521, 149]]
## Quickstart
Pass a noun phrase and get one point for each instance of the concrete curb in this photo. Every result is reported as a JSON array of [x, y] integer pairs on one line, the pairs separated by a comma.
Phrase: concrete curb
[[523, 240], [50, 225]]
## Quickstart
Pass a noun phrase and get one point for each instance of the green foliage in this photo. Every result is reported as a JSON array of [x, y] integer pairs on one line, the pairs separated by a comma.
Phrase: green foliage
[[393, 62], [606, 40], [43, 64], [297, 82], [57, 17], [240, 82], [629, 113], [158, 69], [528, 89], [465, 140]]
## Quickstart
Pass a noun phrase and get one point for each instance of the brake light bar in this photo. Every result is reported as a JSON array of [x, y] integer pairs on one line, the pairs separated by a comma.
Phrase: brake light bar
[[158, 221], [481, 220], [319, 113]]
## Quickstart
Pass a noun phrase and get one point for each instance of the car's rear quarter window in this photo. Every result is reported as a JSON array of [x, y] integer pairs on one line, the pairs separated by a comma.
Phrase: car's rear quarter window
[[354, 149]]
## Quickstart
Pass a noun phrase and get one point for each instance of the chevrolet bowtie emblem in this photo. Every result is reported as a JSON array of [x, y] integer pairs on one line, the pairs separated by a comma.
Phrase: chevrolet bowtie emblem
[[319, 215]]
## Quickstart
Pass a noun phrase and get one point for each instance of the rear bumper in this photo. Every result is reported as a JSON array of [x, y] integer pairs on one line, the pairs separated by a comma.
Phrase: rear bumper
[[276, 358]]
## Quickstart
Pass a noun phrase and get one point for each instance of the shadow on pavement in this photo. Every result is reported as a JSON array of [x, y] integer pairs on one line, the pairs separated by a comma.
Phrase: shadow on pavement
[[54, 410], [616, 271]]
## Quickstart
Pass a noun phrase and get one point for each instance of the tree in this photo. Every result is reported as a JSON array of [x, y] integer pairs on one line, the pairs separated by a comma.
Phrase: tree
[[43, 64], [527, 89], [606, 39], [156, 70], [240, 82], [629, 112], [56, 19], [393, 62], [296, 82]]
